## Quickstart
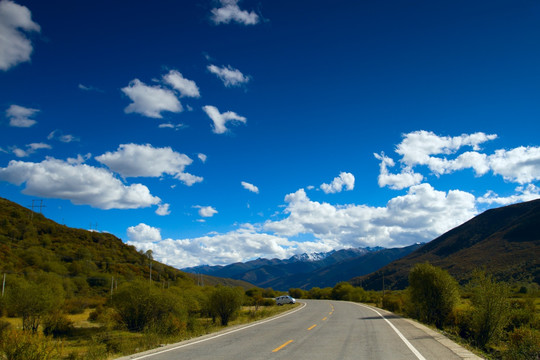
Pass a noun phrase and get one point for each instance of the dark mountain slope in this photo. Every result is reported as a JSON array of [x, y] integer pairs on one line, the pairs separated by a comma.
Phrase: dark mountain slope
[[504, 241]]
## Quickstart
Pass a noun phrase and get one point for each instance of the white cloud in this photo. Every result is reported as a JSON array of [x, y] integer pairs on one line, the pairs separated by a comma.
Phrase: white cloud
[[19, 116], [79, 183], [418, 146], [15, 47], [405, 179], [522, 193], [230, 76], [184, 86], [143, 233], [420, 215], [171, 126], [520, 165], [163, 210], [150, 101], [202, 157], [225, 248], [343, 180], [250, 187], [31, 148], [132, 160], [206, 211], [230, 11], [221, 119], [57, 134]]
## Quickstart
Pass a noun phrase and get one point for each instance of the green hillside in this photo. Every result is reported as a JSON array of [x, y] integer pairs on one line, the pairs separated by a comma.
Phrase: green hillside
[[31, 244]]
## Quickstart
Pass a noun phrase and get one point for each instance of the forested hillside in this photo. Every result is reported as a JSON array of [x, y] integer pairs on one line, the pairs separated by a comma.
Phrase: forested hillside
[[32, 244]]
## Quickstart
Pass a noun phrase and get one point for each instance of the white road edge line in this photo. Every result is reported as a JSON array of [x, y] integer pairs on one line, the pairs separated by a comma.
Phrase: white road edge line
[[409, 345], [220, 335]]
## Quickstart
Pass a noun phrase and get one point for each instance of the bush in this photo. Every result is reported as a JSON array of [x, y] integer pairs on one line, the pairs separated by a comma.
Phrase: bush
[[523, 344], [140, 304], [225, 302], [33, 300], [57, 324], [393, 302], [433, 293], [25, 345], [490, 312]]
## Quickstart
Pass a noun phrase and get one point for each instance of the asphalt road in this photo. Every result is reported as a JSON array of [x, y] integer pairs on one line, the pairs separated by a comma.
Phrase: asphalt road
[[322, 329]]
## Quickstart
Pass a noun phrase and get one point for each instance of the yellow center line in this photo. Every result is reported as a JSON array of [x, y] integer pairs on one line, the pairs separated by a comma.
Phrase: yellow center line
[[324, 318], [312, 326], [282, 346]]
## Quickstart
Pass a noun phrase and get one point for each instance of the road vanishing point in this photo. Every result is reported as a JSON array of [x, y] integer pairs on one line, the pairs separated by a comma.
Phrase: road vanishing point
[[319, 330]]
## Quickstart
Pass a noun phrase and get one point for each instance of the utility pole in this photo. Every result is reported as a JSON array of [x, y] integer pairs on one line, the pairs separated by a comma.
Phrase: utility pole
[[112, 285]]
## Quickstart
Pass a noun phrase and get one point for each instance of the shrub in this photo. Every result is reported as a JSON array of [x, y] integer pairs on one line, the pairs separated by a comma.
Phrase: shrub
[[433, 293], [490, 312], [225, 302], [523, 344], [24, 345], [57, 324], [393, 302], [140, 304], [33, 300]]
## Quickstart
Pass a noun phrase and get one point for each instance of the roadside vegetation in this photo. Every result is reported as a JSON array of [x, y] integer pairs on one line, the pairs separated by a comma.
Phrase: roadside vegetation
[[500, 320], [75, 294], [41, 324]]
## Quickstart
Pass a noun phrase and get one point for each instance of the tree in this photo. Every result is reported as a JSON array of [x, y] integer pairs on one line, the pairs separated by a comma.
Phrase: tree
[[33, 300], [141, 304], [225, 302], [491, 308], [433, 293]]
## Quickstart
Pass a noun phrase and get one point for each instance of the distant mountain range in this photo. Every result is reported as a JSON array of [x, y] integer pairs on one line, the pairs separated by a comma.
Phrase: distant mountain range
[[503, 241], [307, 270]]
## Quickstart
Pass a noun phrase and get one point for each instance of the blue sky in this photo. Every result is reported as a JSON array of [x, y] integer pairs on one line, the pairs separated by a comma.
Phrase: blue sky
[[221, 131]]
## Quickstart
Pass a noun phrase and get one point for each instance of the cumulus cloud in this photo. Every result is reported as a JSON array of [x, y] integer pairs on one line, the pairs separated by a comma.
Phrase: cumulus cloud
[[439, 154], [19, 116], [143, 233], [15, 22], [227, 248], [184, 86], [202, 157], [405, 179], [522, 193], [344, 179], [206, 211], [418, 146], [163, 210], [250, 187], [231, 12], [231, 77], [150, 101], [220, 119], [79, 183], [420, 215], [132, 160], [30, 149]]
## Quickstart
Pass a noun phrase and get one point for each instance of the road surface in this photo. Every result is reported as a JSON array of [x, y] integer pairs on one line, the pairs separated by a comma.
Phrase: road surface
[[320, 329]]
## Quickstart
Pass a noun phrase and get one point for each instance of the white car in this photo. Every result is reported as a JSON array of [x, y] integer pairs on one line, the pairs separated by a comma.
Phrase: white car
[[285, 299]]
